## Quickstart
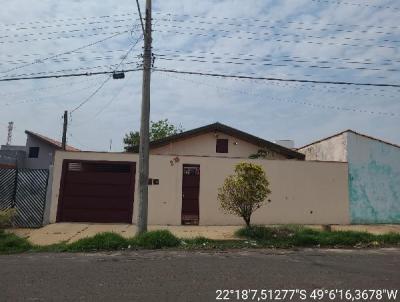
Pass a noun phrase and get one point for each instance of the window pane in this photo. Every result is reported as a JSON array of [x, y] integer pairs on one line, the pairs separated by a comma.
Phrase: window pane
[[222, 145], [33, 152]]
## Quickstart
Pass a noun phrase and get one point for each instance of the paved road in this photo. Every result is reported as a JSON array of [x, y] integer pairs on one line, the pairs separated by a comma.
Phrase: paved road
[[190, 276]]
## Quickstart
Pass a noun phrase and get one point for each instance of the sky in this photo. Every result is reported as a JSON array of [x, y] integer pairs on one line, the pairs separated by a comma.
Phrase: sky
[[328, 40]]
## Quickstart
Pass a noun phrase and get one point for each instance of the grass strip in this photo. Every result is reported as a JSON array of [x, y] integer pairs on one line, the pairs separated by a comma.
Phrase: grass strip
[[289, 236]]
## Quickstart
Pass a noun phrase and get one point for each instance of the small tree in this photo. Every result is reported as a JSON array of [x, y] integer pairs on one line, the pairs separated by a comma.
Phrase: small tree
[[245, 191], [158, 130]]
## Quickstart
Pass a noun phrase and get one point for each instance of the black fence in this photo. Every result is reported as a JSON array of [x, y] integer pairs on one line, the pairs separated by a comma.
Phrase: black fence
[[25, 190]]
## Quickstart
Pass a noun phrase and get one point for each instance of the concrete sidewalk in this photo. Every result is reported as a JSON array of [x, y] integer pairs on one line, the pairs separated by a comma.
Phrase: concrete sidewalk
[[70, 232]]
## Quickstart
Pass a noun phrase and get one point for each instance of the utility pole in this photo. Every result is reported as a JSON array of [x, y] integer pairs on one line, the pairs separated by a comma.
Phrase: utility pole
[[144, 126], [9, 133], [65, 126]]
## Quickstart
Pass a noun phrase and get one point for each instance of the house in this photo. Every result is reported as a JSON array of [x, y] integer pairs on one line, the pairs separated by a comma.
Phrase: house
[[374, 173], [185, 173], [219, 140], [38, 152], [103, 187]]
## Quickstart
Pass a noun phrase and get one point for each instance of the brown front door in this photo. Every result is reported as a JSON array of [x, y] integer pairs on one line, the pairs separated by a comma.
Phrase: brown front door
[[93, 191], [190, 194]]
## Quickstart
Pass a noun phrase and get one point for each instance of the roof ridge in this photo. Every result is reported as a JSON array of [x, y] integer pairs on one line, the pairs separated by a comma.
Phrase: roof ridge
[[346, 131], [230, 131], [50, 141]]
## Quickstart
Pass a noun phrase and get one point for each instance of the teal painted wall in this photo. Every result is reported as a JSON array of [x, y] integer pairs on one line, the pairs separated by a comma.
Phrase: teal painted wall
[[374, 181]]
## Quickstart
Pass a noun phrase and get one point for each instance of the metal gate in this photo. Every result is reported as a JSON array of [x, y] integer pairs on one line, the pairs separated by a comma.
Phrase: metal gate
[[25, 190]]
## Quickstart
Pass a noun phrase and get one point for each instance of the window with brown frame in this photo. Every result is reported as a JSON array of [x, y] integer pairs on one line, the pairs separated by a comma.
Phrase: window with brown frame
[[222, 145]]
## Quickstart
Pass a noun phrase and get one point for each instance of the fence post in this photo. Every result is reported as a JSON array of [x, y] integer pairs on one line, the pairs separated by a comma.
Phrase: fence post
[[14, 200], [47, 205]]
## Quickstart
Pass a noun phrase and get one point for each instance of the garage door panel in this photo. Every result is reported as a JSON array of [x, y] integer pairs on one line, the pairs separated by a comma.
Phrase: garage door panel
[[98, 178], [97, 190], [102, 216], [87, 203], [94, 191]]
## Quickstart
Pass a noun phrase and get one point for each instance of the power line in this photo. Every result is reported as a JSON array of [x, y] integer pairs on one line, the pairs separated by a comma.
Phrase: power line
[[36, 33], [239, 61], [219, 75], [301, 27], [323, 106], [37, 100], [67, 75], [86, 100], [16, 93], [366, 61], [68, 20], [357, 4], [209, 35], [41, 60], [61, 37], [241, 31], [255, 20], [69, 59], [140, 17], [85, 68], [113, 98], [75, 52], [55, 25], [326, 88]]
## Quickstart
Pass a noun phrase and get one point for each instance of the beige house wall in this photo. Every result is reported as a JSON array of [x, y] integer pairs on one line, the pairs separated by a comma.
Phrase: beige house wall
[[302, 192], [204, 145], [332, 149]]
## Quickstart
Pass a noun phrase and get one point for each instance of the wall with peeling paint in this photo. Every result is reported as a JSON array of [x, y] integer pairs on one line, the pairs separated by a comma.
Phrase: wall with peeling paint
[[332, 149], [374, 180]]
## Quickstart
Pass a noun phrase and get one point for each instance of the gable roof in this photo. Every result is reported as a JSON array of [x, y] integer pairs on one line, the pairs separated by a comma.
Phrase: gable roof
[[49, 141], [348, 131], [218, 127]]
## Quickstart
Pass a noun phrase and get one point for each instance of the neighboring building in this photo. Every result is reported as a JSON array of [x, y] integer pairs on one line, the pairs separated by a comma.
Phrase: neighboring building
[[38, 153], [218, 140], [374, 173], [12, 156]]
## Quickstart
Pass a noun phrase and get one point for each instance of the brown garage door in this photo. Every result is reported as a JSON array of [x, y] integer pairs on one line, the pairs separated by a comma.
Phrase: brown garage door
[[96, 192]]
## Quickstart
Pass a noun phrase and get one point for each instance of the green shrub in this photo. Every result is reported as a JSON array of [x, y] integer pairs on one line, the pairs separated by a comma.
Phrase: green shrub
[[6, 218], [11, 243], [244, 192], [99, 242], [156, 240]]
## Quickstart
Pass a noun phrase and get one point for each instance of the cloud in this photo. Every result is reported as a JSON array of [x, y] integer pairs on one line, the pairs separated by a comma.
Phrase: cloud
[[263, 34]]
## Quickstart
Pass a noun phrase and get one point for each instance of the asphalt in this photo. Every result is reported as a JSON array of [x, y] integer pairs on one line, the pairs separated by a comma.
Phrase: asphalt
[[191, 276]]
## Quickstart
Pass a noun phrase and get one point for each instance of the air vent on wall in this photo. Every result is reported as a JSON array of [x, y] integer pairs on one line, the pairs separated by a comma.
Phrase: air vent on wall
[[75, 167]]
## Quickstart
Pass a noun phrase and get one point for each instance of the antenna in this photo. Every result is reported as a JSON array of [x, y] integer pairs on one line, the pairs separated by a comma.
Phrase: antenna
[[9, 135]]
